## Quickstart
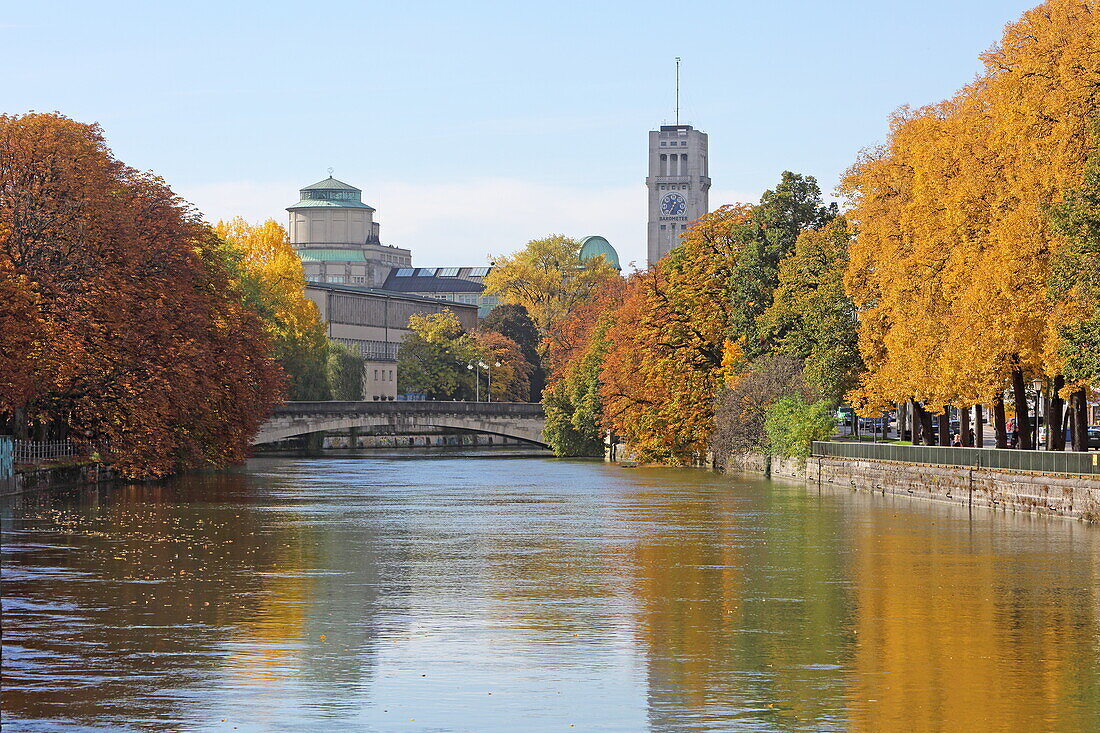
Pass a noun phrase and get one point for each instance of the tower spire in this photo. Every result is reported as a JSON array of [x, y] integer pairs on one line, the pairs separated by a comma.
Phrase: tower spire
[[677, 90]]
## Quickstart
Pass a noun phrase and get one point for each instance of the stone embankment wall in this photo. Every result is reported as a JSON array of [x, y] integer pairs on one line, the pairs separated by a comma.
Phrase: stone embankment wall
[[55, 477], [1041, 493]]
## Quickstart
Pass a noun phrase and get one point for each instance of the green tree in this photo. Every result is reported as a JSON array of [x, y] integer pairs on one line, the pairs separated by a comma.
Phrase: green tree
[[572, 402], [344, 372], [792, 207], [811, 317], [793, 424], [435, 356]]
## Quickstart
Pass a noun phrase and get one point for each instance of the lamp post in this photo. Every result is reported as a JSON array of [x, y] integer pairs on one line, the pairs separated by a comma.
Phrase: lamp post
[[477, 382], [489, 369], [1038, 386]]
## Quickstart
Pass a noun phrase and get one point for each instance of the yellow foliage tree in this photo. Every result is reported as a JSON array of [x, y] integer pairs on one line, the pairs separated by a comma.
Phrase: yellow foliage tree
[[548, 278], [293, 321], [951, 265]]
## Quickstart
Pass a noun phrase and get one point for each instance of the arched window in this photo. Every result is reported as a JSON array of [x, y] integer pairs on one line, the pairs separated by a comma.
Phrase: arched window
[[664, 164]]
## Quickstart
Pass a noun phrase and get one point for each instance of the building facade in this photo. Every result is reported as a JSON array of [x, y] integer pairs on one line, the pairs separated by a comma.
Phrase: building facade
[[336, 236], [678, 183], [372, 323]]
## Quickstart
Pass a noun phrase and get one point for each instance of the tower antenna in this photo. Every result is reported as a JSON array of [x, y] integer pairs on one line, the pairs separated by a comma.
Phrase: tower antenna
[[677, 90]]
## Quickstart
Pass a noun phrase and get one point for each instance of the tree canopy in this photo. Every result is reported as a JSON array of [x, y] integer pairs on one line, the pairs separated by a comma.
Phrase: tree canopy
[[548, 278], [138, 331]]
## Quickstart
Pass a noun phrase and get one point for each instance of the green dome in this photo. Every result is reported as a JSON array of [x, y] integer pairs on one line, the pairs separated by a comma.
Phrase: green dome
[[597, 245], [330, 192]]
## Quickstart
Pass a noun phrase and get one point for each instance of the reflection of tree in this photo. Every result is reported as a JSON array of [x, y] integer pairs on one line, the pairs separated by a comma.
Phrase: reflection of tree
[[972, 628], [113, 604], [743, 608]]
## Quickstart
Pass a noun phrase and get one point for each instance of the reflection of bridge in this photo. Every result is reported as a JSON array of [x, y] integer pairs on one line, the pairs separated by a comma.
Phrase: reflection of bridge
[[509, 419]]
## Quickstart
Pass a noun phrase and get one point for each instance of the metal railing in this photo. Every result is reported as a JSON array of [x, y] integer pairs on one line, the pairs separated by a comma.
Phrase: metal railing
[[1012, 460], [30, 451]]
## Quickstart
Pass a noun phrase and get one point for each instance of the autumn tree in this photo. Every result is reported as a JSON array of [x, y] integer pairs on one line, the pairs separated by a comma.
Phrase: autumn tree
[[512, 321], [548, 278], [664, 361], [576, 350], [951, 266], [145, 338], [274, 271], [507, 370]]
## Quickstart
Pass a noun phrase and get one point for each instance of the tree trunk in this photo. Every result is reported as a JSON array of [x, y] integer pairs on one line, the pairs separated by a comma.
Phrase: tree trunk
[[1079, 405], [903, 415], [924, 423], [1056, 434], [999, 421], [1023, 420], [964, 428], [943, 421], [979, 427]]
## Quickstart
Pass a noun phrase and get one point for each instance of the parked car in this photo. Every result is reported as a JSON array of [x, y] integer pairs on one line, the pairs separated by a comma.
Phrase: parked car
[[1094, 436]]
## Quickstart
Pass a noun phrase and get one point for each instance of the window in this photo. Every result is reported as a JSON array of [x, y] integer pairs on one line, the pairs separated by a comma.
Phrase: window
[[683, 143], [663, 143], [405, 272], [662, 227], [479, 271], [376, 375], [358, 279], [427, 272], [336, 279], [448, 272]]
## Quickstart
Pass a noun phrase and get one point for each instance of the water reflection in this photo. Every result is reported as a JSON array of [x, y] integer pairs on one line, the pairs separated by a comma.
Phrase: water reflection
[[374, 594]]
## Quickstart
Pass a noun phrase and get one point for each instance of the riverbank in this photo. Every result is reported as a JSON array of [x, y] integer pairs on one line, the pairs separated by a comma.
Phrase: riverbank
[[1069, 495], [55, 477]]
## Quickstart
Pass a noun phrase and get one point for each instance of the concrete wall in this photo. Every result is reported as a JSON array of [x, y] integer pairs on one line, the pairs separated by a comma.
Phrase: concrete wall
[[1063, 495]]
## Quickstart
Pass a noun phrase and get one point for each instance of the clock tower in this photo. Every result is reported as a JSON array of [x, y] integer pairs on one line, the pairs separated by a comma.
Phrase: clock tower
[[678, 185]]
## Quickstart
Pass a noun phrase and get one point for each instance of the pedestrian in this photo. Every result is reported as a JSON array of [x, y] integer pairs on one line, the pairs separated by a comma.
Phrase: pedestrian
[[972, 438], [956, 442]]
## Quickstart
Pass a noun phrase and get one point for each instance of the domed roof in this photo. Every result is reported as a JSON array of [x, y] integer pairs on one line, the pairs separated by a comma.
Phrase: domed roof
[[330, 192], [595, 245]]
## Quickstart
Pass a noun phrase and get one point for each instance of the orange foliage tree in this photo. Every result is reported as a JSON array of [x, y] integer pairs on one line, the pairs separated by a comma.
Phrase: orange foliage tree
[[143, 337], [664, 362]]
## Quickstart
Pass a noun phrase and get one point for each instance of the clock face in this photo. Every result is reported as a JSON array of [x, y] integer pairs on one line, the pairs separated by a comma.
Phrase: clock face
[[673, 204]]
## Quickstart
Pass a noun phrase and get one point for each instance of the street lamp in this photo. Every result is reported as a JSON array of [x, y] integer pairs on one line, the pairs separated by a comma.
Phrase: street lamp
[[489, 368], [477, 382]]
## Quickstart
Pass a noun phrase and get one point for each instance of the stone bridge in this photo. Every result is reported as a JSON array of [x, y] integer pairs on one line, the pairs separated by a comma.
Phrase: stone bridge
[[518, 420]]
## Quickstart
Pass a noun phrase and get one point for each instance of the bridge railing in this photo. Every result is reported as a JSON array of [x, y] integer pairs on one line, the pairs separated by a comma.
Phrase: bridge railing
[[502, 409]]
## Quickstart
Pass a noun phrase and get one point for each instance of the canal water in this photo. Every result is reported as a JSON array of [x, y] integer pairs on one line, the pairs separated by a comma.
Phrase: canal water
[[532, 594]]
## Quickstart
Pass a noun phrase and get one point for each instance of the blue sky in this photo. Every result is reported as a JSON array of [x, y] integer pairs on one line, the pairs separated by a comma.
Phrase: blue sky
[[474, 127]]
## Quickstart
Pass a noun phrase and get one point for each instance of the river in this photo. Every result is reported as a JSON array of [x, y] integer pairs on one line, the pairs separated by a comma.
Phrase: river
[[532, 594]]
